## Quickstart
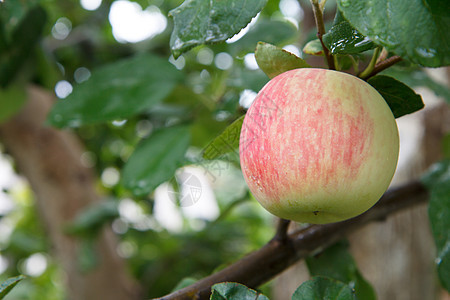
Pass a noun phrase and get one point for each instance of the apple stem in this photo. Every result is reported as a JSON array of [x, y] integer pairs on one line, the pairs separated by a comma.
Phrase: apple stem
[[364, 74], [282, 228], [318, 17]]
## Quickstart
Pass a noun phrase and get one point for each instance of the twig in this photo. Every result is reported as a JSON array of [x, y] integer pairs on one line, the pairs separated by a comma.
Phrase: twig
[[318, 17], [383, 65], [262, 265], [282, 228]]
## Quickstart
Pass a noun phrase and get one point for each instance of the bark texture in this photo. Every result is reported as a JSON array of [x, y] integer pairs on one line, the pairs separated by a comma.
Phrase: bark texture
[[50, 160]]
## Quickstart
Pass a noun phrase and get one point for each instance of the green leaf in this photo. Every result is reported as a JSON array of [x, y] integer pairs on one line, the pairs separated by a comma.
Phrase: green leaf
[[226, 142], [416, 77], [198, 22], [401, 99], [117, 91], [23, 38], [274, 61], [269, 31], [323, 288], [416, 30], [7, 285], [187, 281], [93, 218], [234, 291], [313, 47], [342, 38], [337, 263], [12, 99], [437, 181], [155, 159]]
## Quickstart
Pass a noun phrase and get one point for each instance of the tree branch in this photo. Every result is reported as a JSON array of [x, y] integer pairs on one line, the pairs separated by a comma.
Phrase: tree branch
[[262, 265], [318, 17]]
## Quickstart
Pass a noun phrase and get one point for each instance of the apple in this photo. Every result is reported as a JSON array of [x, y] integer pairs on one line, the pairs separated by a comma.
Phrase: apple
[[318, 146]]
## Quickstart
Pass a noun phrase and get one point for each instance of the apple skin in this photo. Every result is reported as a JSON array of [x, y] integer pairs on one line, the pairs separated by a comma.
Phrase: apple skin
[[318, 146]]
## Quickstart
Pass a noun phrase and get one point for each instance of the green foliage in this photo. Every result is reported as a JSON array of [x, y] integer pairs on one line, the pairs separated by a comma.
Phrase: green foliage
[[415, 30], [274, 61], [9, 284], [89, 221], [323, 288], [337, 263], [226, 142], [401, 99], [342, 38], [13, 98], [437, 181], [234, 291], [15, 49], [199, 22], [116, 91], [156, 159]]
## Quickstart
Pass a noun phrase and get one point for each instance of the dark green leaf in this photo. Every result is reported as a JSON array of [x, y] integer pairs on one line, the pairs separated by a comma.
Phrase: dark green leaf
[[437, 181], [234, 291], [117, 91], [12, 99], [416, 30], [226, 142], [156, 159], [323, 288], [24, 37], [198, 22], [401, 99], [313, 47], [93, 218], [342, 38], [7, 285], [269, 31], [274, 61], [337, 263], [417, 77]]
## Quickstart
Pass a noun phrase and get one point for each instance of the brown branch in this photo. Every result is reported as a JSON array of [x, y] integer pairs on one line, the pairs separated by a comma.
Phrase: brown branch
[[383, 65], [281, 234], [318, 17], [262, 265]]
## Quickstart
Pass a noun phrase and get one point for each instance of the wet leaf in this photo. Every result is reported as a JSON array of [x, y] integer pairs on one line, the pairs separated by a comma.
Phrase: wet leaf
[[274, 61], [342, 38], [117, 91], [198, 22], [416, 30]]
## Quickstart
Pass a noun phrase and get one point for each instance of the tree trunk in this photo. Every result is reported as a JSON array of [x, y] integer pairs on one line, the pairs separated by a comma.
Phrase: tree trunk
[[50, 160]]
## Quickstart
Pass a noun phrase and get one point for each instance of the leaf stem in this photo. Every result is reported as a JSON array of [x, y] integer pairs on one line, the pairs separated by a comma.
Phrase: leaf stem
[[364, 74], [318, 17]]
